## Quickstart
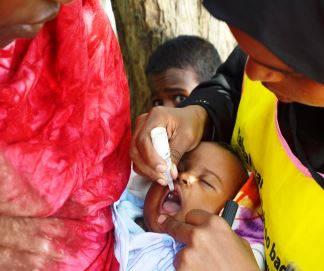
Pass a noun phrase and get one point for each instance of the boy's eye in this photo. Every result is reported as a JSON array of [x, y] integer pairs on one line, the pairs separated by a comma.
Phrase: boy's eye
[[179, 98], [157, 102]]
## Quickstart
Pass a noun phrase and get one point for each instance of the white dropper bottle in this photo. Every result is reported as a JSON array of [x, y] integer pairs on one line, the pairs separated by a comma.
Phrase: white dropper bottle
[[160, 142]]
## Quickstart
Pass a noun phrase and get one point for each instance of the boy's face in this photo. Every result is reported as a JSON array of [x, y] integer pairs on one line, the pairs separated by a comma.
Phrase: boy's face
[[208, 176], [172, 86]]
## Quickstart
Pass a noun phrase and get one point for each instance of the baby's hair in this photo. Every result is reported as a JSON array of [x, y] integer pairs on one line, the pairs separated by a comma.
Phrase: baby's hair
[[185, 52], [233, 151]]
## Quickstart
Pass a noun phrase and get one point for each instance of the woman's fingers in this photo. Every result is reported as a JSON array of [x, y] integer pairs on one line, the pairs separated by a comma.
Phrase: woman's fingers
[[198, 217], [185, 127], [146, 161], [189, 232], [179, 230], [208, 234]]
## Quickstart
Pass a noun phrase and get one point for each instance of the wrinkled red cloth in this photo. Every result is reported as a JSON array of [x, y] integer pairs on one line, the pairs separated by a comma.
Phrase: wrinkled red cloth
[[64, 140]]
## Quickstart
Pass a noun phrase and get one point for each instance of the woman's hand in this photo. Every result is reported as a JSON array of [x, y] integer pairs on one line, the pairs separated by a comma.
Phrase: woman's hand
[[210, 244], [185, 127]]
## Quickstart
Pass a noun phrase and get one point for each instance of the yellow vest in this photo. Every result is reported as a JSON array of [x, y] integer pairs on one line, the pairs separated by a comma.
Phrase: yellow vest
[[292, 202]]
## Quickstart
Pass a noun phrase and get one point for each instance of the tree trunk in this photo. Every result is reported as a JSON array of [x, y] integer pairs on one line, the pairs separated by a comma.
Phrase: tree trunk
[[144, 24]]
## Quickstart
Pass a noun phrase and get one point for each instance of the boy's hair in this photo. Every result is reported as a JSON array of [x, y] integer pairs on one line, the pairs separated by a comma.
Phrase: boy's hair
[[185, 52]]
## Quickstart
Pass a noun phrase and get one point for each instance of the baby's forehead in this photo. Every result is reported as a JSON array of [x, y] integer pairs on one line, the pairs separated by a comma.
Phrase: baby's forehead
[[206, 148], [210, 155]]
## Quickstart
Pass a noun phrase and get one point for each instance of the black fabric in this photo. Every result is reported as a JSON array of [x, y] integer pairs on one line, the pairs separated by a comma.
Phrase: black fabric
[[220, 97], [292, 30], [300, 150], [301, 125]]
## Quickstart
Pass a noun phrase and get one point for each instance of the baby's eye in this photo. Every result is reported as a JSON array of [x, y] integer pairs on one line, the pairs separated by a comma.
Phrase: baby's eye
[[179, 98], [207, 184], [157, 102]]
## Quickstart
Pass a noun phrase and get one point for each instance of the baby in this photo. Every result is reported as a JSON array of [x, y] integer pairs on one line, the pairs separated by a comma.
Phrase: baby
[[208, 176]]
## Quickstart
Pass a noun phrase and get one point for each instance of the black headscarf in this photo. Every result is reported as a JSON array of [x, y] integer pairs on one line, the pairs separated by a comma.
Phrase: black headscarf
[[293, 30]]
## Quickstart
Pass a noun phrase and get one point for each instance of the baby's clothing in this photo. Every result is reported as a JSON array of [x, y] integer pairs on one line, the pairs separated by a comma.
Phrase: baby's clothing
[[136, 249]]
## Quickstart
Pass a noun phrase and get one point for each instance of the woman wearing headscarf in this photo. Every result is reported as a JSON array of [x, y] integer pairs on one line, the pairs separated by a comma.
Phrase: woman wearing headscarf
[[64, 135], [270, 104]]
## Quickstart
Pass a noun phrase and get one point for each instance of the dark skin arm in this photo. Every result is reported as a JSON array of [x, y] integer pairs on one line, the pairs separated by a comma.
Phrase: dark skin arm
[[210, 107], [185, 127]]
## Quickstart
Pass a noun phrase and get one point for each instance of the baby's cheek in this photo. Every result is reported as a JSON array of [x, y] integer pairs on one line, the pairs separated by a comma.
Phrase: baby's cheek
[[211, 204], [151, 224]]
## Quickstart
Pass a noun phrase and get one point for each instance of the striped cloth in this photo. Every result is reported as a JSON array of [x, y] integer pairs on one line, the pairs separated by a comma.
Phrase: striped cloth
[[136, 249]]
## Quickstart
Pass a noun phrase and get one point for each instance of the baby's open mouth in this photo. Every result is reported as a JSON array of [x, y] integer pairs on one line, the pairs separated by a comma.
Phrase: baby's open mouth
[[172, 202]]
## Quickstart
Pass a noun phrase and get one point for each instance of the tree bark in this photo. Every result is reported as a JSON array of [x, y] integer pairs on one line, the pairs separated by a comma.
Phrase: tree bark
[[144, 24]]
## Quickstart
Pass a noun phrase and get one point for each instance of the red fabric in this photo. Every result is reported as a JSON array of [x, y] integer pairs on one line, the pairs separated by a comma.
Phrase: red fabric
[[64, 138]]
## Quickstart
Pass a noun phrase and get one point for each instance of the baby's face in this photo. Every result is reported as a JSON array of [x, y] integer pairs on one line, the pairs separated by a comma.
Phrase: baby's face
[[208, 176], [172, 86]]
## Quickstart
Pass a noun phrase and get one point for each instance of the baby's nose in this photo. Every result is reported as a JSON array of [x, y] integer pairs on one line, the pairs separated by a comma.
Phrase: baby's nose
[[186, 179]]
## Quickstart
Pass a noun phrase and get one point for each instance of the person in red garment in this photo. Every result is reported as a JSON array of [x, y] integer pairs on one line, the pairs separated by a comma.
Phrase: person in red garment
[[64, 135]]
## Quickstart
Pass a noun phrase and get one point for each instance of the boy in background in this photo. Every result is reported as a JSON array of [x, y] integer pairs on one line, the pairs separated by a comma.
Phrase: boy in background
[[177, 66]]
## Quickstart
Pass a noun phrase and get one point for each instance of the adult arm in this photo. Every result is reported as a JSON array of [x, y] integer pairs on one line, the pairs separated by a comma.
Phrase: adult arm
[[209, 112]]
